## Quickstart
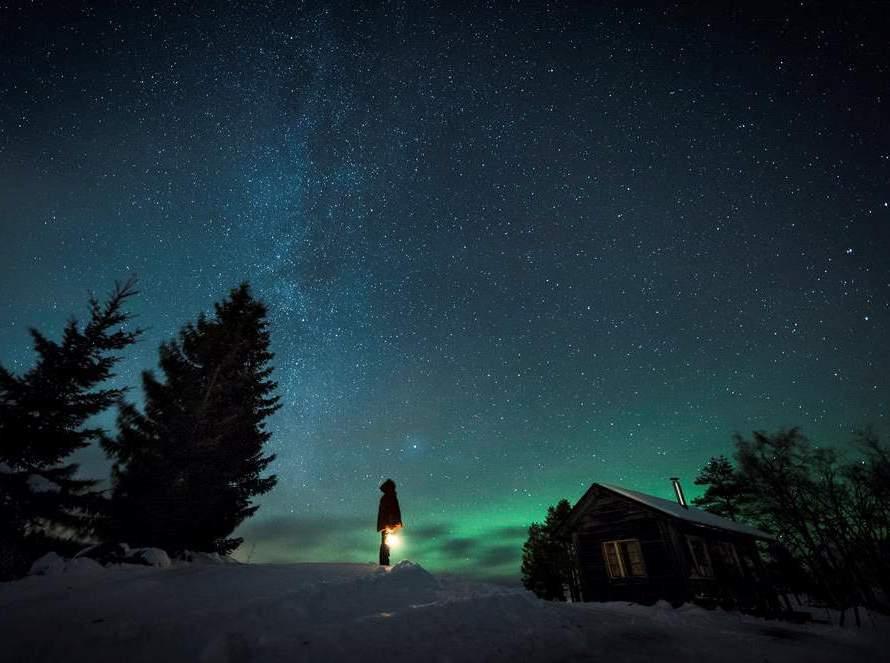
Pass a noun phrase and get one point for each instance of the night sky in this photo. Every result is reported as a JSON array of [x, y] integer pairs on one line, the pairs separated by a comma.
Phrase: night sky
[[508, 249]]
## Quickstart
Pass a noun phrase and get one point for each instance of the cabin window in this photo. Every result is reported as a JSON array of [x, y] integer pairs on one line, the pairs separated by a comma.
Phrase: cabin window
[[701, 560], [750, 566], [724, 554], [624, 559]]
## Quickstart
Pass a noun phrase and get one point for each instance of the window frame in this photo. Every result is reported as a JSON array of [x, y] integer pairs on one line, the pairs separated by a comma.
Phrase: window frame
[[727, 551], [696, 568], [625, 567]]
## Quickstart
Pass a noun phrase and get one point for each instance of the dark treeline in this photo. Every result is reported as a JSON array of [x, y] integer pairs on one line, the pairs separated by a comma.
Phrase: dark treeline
[[185, 468], [828, 508]]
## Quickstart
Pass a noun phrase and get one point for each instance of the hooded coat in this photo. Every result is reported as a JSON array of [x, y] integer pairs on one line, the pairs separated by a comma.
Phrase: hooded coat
[[389, 516]]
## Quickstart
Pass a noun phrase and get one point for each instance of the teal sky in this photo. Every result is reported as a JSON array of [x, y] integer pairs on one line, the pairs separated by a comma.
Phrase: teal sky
[[507, 251]]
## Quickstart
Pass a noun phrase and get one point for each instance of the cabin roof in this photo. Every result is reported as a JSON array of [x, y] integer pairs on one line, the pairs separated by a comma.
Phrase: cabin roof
[[671, 508]]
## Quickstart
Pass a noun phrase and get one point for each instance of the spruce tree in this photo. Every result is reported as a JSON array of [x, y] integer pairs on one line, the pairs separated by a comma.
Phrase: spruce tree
[[43, 420], [546, 563], [725, 494], [186, 469]]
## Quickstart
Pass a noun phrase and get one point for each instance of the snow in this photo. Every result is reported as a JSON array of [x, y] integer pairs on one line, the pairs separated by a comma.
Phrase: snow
[[120, 553], [50, 564], [82, 566], [149, 557], [211, 612], [206, 558]]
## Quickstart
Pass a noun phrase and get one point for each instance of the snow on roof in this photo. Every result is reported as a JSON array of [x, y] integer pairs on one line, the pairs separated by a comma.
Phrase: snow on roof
[[689, 514]]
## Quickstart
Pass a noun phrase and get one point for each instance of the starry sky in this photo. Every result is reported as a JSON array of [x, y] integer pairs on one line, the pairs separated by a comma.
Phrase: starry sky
[[509, 249]]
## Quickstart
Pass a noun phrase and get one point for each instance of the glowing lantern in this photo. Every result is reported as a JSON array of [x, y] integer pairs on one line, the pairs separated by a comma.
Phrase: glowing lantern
[[393, 539]]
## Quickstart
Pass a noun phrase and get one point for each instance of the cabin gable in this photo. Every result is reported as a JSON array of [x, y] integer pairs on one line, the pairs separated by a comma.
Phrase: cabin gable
[[627, 549], [608, 535]]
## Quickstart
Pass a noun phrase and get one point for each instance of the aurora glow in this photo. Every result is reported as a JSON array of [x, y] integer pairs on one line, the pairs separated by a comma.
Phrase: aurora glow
[[507, 251]]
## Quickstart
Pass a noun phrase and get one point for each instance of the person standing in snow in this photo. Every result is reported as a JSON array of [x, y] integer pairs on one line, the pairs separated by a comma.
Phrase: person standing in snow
[[389, 517]]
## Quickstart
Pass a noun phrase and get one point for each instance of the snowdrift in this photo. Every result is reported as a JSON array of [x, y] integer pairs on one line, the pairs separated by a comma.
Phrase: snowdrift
[[348, 612]]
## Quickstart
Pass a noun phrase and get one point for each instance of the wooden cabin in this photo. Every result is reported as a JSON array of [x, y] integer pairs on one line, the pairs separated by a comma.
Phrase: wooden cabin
[[629, 546]]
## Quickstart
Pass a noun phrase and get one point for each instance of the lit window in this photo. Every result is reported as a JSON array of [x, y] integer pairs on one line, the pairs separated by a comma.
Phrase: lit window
[[624, 559]]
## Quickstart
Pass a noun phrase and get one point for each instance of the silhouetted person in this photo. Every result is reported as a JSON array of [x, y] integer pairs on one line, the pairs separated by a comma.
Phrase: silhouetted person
[[389, 517]]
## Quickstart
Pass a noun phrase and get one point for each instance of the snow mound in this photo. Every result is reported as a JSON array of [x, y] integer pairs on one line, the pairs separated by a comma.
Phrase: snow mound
[[52, 564], [407, 566], [149, 557], [410, 575], [48, 565], [195, 557]]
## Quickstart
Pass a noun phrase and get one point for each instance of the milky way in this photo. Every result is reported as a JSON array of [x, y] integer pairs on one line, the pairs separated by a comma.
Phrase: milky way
[[508, 251]]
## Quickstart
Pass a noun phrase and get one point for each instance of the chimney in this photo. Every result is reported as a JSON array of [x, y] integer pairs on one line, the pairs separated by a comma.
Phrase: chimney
[[678, 491]]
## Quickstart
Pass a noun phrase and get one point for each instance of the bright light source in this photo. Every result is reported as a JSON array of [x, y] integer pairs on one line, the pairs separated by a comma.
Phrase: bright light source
[[393, 540]]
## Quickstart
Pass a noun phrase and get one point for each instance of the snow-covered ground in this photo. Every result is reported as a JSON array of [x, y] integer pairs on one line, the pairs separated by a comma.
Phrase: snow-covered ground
[[355, 612]]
